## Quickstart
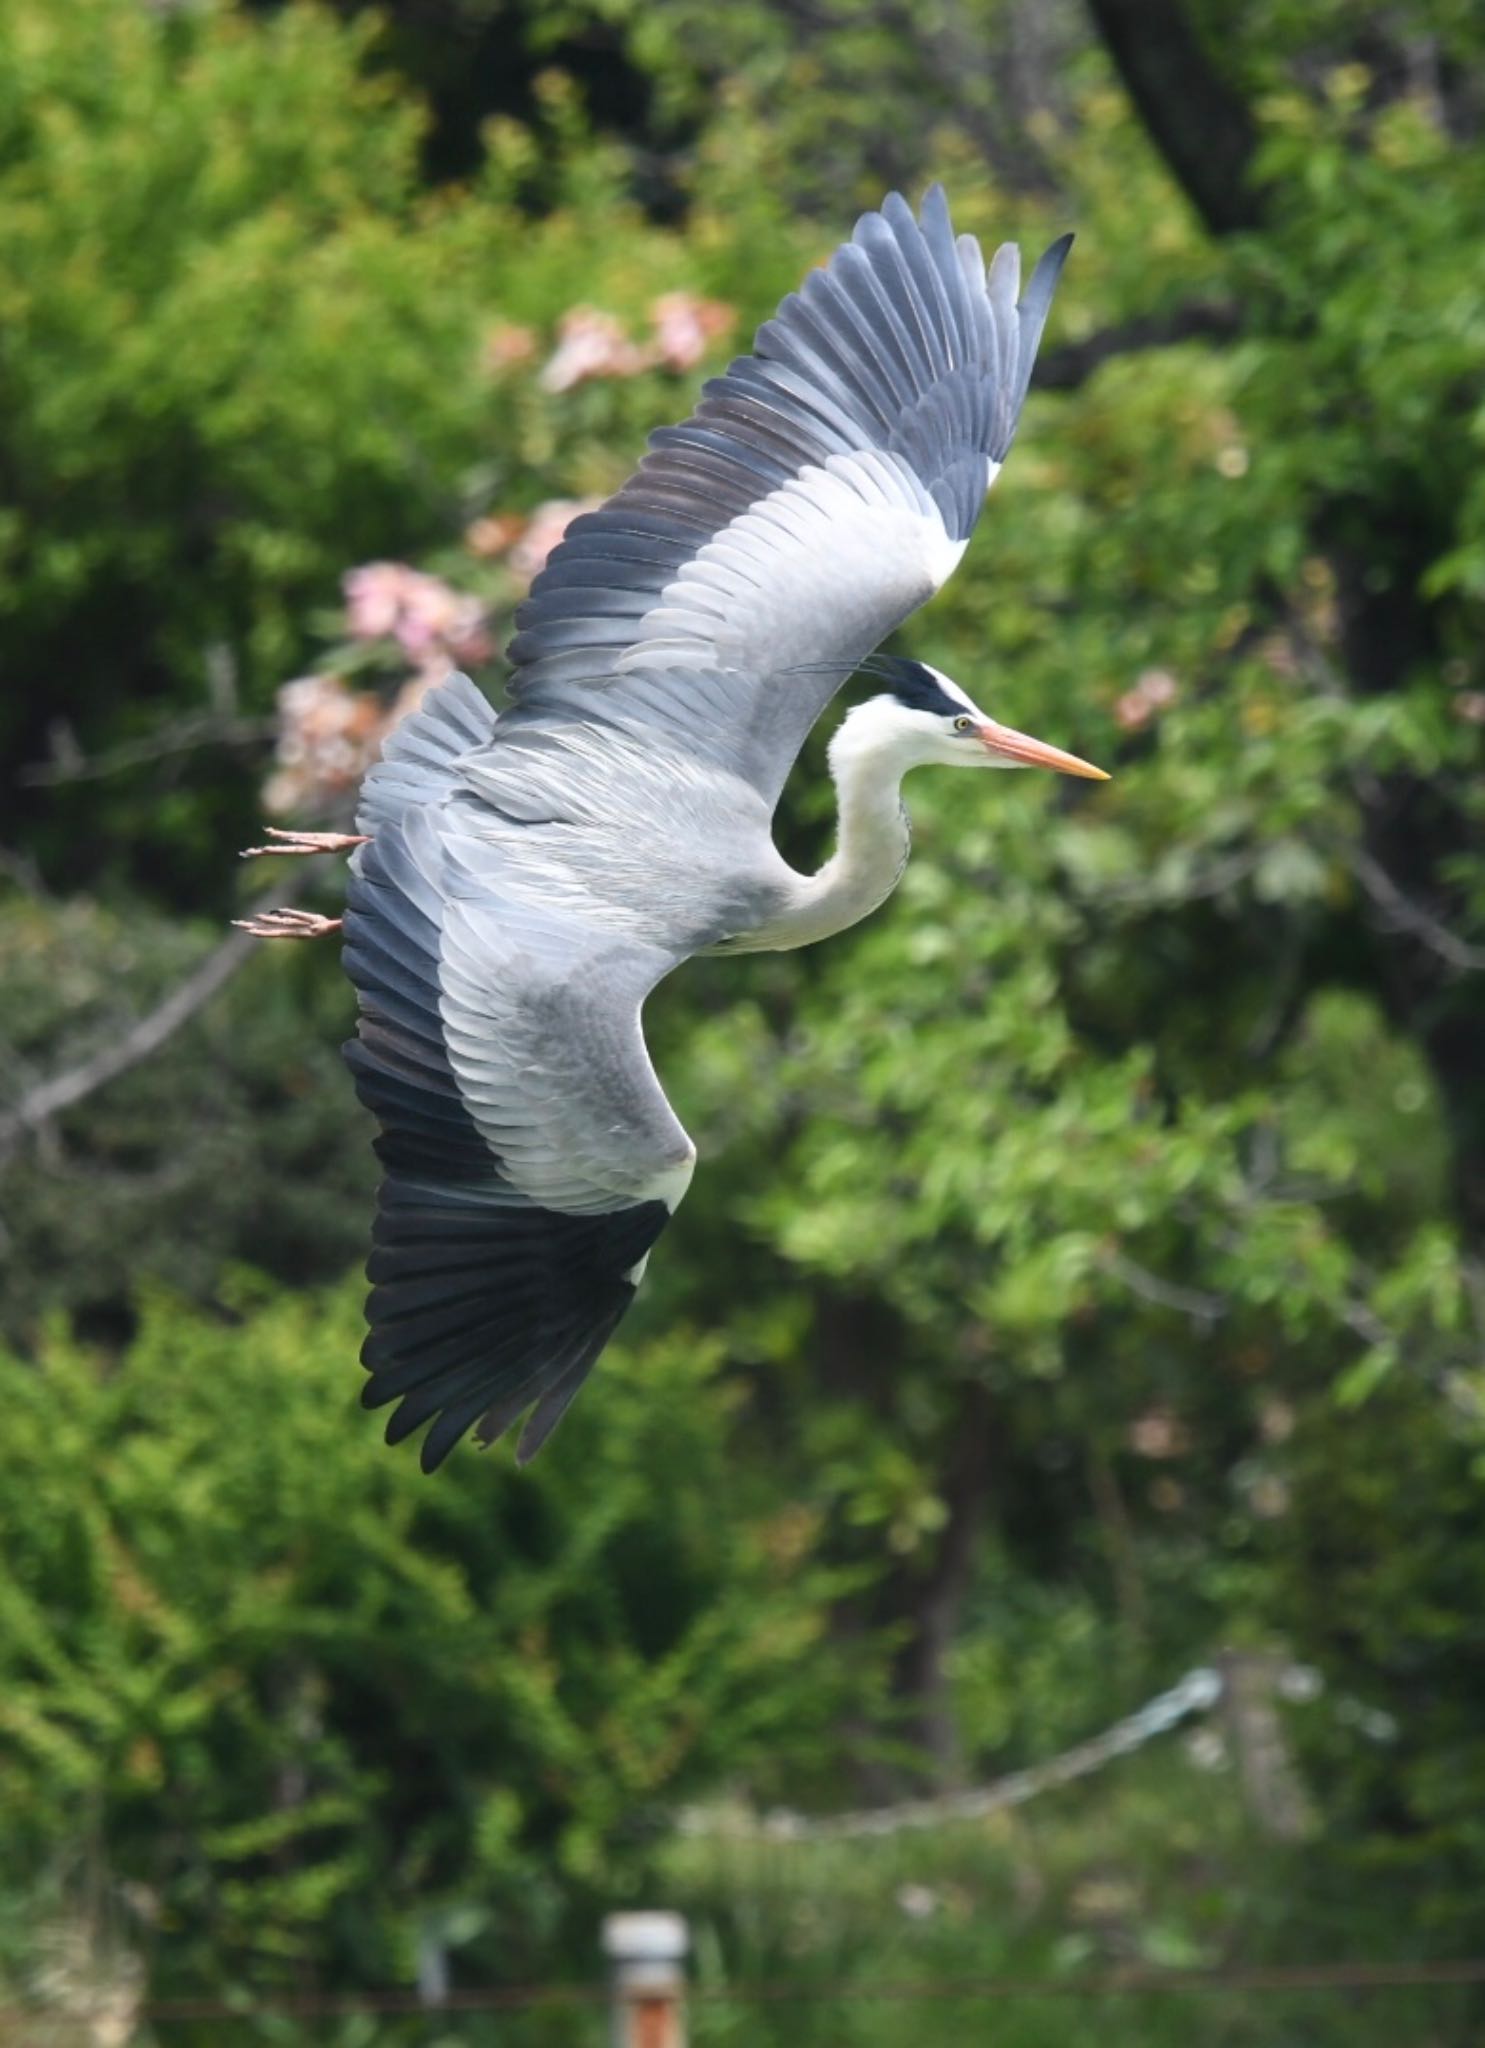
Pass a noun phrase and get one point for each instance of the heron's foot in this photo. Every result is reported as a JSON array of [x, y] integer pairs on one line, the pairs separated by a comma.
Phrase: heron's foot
[[288, 924], [306, 842]]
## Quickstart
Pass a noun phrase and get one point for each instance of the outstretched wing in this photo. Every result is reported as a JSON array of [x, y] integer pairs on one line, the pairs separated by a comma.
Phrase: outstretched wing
[[531, 1157], [826, 486]]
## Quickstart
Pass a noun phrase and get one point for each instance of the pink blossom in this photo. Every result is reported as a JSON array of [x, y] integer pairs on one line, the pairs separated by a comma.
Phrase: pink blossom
[[1159, 1433], [327, 738], [329, 735], [373, 595], [544, 530], [427, 617], [1154, 691], [493, 534], [590, 343], [686, 327], [507, 346]]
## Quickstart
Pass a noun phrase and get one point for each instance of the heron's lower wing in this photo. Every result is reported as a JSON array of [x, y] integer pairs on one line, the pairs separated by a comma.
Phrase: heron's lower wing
[[531, 1158], [826, 486]]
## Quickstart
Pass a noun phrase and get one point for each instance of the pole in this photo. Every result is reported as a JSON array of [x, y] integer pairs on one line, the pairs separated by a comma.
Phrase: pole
[[646, 1952]]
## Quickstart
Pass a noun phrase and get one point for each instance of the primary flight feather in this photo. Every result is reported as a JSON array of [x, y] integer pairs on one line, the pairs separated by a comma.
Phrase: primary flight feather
[[522, 880]]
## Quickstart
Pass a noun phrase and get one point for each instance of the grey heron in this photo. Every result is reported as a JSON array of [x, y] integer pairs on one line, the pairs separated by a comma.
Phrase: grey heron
[[521, 881]]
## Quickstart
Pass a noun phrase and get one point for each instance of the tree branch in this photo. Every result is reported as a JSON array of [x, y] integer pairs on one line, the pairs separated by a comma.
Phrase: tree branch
[[1073, 362], [1404, 914], [69, 763], [1200, 125], [1197, 1693], [144, 1038], [1202, 1306], [956, 58]]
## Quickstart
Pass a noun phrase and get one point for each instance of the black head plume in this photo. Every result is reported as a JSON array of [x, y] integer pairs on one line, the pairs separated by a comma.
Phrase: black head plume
[[909, 682], [913, 685]]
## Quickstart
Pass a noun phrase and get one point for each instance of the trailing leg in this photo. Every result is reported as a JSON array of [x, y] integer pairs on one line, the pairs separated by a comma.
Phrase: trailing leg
[[306, 842], [288, 924]]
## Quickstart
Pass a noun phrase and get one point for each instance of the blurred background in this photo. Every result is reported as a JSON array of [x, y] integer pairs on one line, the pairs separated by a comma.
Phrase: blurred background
[[1084, 1282]]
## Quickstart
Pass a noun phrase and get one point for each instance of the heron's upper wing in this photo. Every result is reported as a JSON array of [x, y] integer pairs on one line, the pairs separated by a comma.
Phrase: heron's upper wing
[[531, 1157], [825, 487]]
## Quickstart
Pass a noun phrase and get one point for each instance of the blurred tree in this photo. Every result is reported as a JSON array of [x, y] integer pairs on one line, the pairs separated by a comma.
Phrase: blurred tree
[[1087, 1228], [1384, 515], [237, 1140], [306, 1706], [238, 345]]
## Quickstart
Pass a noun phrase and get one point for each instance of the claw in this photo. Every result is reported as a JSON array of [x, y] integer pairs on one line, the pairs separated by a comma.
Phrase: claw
[[306, 842], [288, 924]]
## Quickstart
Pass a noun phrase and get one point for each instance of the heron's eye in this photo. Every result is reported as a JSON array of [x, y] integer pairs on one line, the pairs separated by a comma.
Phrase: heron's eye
[[964, 725]]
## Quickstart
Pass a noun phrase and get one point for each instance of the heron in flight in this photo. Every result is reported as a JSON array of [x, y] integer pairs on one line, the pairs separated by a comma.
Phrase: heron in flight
[[522, 880]]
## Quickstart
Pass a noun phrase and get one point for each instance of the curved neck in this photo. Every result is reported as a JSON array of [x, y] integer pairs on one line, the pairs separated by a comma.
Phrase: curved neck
[[871, 849]]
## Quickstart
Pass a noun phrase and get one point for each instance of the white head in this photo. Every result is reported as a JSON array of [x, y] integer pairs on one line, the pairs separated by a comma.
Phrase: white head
[[927, 718]]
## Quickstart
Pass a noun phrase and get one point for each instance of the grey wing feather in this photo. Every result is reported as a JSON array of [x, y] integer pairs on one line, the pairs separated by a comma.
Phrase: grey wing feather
[[418, 755], [541, 1019], [531, 1158], [824, 488]]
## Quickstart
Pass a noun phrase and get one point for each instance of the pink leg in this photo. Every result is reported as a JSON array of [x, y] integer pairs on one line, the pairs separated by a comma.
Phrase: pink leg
[[306, 842], [288, 924]]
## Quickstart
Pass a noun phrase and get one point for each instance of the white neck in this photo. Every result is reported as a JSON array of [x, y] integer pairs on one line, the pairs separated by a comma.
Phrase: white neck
[[872, 839]]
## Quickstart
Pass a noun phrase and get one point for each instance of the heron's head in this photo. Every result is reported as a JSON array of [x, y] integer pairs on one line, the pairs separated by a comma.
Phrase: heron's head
[[925, 717]]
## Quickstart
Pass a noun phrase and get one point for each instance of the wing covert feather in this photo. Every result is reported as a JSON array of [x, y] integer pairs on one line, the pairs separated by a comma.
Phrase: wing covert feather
[[825, 487], [531, 1158]]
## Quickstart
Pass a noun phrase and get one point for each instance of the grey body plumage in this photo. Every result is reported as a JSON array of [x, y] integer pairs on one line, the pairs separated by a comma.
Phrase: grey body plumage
[[530, 876]]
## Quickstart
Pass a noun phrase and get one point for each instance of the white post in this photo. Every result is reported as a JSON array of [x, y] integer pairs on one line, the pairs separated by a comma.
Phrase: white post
[[648, 1983]]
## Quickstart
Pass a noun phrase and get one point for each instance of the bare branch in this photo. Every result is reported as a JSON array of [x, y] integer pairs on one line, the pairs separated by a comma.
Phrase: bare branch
[[143, 1039], [1363, 1321], [1216, 880], [1197, 1693], [1406, 914], [960, 63], [1072, 363], [1187, 1301], [181, 736]]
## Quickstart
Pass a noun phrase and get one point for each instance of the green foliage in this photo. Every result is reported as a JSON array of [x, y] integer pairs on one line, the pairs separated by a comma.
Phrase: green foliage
[[1154, 1870], [238, 345], [1379, 1565], [240, 1144], [364, 1701], [1140, 1141]]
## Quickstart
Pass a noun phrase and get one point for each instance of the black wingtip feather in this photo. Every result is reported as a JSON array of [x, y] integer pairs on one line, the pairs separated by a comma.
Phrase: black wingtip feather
[[506, 1311]]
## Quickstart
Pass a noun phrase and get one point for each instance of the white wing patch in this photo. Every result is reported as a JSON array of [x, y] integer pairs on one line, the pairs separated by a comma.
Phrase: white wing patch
[[541, 1021], [828, 562], [670, 1185], [950, 553], [670, 1188]]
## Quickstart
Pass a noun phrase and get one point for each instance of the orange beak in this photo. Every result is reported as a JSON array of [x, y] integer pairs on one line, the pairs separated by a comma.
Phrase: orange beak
[[1026, 752]]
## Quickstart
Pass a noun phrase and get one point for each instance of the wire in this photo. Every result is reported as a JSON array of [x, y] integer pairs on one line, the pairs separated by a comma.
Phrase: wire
[[1261, 1978], [1126, 1982]]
